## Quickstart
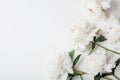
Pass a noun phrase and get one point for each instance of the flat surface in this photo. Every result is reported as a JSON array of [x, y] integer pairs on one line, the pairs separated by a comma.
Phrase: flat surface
[[31, 31]]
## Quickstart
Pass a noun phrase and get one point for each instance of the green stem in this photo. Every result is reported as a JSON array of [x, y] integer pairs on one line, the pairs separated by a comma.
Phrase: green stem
[[108, 49], [107, 79]]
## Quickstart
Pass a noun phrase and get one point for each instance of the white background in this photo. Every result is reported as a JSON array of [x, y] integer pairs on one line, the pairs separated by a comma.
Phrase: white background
[[30, 32]]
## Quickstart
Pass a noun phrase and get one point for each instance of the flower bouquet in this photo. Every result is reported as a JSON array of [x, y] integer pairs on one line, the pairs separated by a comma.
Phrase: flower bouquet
[[95, 54]]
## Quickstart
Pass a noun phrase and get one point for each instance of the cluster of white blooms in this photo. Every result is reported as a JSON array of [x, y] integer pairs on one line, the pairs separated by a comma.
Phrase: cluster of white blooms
[[92, 64], [108, 26], [60, 66], [94, 22]]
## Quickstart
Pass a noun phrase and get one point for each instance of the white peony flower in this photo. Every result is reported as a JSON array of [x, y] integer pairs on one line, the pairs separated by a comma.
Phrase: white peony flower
[[92, 10], [61, 66], [92, 64], [82, 34], [110, 62], [111, 29]]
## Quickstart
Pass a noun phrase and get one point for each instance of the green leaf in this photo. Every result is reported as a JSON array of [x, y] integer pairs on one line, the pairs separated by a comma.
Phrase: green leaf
[[81, 78], [93, 45], [101, 38], [94, 39], [72, 54], [117, 63], [76, 60], [97, 77]]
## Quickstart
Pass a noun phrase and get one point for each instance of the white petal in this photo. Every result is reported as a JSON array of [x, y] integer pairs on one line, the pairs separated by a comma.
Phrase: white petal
[[105, 5]]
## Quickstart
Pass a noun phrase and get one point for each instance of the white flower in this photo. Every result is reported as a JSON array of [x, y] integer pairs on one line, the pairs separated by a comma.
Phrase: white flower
[[110, 62], [92, 64], [92, 10], [61, 66], [111, 29], [82, 34]]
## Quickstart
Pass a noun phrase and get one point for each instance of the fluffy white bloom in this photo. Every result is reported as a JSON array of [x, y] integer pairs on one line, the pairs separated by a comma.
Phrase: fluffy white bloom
[[92, 10], [82, 34], [111, 29], [92, 64], [101, 60], [110, 62], [61, 66]]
